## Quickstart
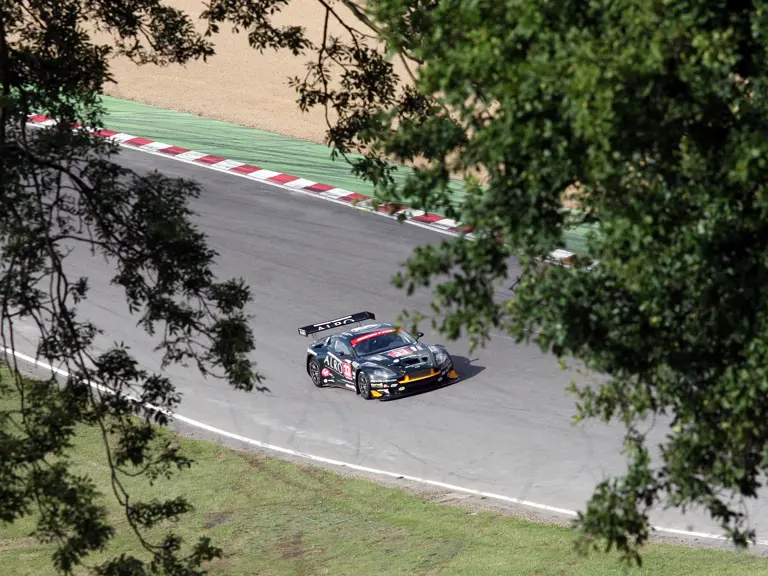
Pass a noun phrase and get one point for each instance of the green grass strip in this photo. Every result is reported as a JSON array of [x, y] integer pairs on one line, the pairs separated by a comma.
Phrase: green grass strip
[[265, 149], [271, 151], [274, 517]]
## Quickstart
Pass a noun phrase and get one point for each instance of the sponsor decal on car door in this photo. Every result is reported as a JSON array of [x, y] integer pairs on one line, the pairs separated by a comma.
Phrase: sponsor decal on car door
[[342, 369]]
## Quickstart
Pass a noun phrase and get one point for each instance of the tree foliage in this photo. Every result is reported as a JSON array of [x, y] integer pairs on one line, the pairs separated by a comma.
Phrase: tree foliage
[[62, 193], [652, 110]]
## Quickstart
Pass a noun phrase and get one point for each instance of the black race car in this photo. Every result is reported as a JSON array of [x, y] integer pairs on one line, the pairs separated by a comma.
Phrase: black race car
[[375, 360]]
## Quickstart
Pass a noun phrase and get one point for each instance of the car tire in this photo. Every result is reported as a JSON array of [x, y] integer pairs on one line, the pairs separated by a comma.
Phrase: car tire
[[313, 369], [364, 386]]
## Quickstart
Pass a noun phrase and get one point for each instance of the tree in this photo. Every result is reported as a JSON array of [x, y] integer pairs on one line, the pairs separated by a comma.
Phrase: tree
[[654, 113], [61, 191]]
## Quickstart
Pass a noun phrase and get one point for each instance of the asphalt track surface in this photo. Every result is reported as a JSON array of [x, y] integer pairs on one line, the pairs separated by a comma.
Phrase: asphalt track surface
[[505, 428]]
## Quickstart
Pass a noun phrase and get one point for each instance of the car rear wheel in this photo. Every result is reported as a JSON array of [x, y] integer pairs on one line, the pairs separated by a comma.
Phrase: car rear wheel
[[364, 386], [314, 372]]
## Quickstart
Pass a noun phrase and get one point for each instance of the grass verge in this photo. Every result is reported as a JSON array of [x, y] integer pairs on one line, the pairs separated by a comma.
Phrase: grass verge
[[274, 517]]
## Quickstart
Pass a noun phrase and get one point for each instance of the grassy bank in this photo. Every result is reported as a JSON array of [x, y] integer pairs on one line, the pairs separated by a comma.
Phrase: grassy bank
[[274, 517]]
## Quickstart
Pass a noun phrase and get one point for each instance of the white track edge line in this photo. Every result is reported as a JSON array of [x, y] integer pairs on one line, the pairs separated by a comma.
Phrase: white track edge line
[[322, 459], [357, 467]]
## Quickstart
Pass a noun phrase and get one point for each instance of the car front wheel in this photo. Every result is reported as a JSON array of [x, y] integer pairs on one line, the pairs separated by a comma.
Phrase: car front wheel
[[364, 386]]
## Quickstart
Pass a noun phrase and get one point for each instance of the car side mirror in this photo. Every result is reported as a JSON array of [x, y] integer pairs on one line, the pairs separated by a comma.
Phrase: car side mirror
[[420, 335]]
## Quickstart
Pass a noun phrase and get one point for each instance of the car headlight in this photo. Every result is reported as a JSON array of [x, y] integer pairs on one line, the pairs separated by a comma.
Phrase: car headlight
[[382, 374], [441, 356]]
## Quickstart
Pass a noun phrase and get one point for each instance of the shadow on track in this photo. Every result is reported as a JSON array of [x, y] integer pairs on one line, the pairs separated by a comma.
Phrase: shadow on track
[[465, 367]]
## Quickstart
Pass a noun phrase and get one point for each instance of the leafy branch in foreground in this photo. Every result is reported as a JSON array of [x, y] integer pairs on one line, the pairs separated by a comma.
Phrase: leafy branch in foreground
[[67, 207], [664, 143], [661, 133], [656, 115]]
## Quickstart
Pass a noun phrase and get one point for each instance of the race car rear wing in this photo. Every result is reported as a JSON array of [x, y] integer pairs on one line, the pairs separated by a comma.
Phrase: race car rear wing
[[338, 323]]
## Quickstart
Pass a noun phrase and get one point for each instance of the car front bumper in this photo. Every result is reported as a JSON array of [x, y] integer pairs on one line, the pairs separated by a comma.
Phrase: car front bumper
[[439, 377]]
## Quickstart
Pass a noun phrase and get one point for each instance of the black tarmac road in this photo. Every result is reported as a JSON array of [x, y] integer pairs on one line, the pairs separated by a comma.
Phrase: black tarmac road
[[505, 428]]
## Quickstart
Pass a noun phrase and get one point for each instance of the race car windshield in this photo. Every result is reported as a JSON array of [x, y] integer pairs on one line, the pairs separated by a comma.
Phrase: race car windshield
[[381, 341]]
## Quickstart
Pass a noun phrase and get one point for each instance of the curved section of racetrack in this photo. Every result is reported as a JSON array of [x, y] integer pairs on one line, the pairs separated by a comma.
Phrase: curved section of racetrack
[[505, 428]]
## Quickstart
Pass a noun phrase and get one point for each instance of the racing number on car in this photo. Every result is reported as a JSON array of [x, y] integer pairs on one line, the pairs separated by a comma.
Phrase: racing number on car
[[343, 368]]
